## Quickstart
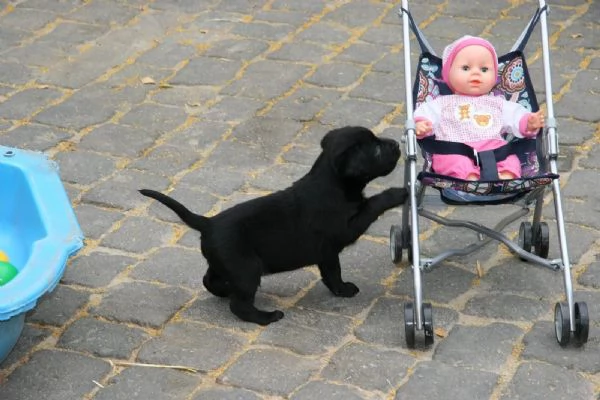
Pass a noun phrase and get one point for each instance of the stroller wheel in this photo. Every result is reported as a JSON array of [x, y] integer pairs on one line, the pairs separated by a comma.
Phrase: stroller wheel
[[428, 323], [396, 243], [582, 323], [562, 323], [542, 240], [409, 325], [525, 236]]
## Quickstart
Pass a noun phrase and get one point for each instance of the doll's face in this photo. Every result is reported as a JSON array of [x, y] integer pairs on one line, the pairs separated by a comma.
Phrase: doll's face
[[472, 71]]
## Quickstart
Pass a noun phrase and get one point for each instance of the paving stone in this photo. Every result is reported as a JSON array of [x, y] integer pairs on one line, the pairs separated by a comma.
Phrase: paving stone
[[225, 393], [167, 160], [30, 337], [336, 75], [199, 201], [542, 381], [487, 347], [191, 99], [272, 178], [21, 104], [232, 109], [59, 306], [300, 52], [266, 79], [441, 285], [52, 370], [36, 19], [385, 322], [102, 339], [137, 235], [84, 167], [96, 269], [262, 30], [370, 368], [516, 276], [304, 104], [355, 14], [324, 32], [507, 307], [199, 137], [207, 71], [355, 112], [269, 370], [215, 179], [591, 276], [94, 221], [237, 49], [120, 191], [119, 140], [160, 118], [104, 12], [361, 53], [325, 390], [540, 344], [432, 379], [288, 284], [145, 383], [141, 303], [192, 345], [173, 266], [34, 137], [578, 181], [306, 332]]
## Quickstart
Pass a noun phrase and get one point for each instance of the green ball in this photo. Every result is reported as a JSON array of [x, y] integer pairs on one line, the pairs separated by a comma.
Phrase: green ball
[[7, 272]]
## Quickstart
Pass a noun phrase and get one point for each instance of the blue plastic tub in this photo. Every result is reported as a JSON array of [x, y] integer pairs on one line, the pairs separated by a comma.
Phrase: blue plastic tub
[[38, 232]]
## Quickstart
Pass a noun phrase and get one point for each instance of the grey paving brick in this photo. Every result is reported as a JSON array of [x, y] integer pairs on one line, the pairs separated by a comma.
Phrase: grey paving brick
[[325, 390], [266, 79], [288, 284], [361, 53], [304, 104], [306, 332], [269, 370], [370, 368], [300, 52], [215, 179], [120, 191], [144, 383], [542, 381], [591, 276], [516, 276], [262, 30], [58, 307], [336, 75], [272, 178], [355, 112], [104, 12], [225, 393], [20, 105], [385, 322], [485, 348], [96, 269], [324, 32], [94, 221], [36, 19], [192, 345], [62, 7], [355, 14], [52, 369], [34, 137], [379, 87], [119, 140], [141, 303], [167, 160], [541, 340], [199, 201], [507, 307], [431, 379], [137, 235], [237, 49], [207, 71], [232, 109], [102, 339], [160, 118], [30, 337], [173, 266], [84, 167]]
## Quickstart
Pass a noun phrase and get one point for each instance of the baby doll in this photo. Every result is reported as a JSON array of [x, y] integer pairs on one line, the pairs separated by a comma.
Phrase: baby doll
[[470, 115]]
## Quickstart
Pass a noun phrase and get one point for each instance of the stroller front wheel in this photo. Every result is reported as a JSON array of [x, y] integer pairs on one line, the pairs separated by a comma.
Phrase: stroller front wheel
[[409, 325], [582, 323], [562, 324], [542, 240]]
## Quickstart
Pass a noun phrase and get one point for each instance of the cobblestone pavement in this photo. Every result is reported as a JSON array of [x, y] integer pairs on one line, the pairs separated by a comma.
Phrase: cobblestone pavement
[[224, 100]]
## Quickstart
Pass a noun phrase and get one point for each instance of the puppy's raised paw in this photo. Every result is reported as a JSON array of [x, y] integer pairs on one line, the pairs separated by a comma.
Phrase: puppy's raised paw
[[396, 196]]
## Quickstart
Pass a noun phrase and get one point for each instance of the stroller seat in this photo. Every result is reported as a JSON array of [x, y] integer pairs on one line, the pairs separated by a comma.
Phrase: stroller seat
[[539, 168]]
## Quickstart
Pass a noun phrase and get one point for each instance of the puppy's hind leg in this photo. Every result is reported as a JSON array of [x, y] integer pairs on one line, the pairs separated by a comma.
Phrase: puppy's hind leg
[[243, 292], [215, 283]]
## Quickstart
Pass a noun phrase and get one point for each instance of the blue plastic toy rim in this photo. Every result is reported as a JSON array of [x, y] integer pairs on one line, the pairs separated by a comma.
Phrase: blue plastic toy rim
[[49, 255]]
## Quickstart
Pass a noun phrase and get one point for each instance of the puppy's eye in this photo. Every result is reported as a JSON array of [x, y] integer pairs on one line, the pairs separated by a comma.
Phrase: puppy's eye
[[377, 151]]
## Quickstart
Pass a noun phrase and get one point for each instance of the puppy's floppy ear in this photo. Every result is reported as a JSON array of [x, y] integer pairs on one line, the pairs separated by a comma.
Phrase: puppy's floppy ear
[[338, 141]]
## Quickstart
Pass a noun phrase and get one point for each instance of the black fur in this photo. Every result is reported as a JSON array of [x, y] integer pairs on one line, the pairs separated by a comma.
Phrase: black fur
[[309, 223]]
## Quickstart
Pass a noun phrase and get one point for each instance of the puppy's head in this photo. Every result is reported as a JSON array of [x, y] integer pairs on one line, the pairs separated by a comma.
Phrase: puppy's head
[[357, 154]]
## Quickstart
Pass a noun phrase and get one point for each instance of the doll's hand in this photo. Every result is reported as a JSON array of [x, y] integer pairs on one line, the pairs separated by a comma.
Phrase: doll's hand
[[535, 121], [423, 128]]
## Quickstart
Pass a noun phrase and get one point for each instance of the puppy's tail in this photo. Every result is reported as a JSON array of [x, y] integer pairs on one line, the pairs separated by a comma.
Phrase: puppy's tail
[[195, 221]]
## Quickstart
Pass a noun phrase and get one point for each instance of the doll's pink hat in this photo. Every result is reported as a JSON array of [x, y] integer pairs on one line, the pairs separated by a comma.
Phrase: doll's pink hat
[[453, 48]]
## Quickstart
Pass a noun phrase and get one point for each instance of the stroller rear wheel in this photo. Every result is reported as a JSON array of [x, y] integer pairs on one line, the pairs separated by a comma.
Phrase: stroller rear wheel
[[428, 323], [562, 323], [409, 325], [399, 240], [542, 240], [582, 323], [525, 236]]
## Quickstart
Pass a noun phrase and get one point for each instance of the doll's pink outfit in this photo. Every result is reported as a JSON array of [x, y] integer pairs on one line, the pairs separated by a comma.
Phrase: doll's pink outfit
[[477, 121]]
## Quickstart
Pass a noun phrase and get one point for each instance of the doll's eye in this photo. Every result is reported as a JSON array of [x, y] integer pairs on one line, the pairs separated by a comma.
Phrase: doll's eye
[[465, 67], [485, 69]]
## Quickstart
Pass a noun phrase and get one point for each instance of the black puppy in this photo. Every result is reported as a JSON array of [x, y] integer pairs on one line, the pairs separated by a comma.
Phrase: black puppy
[[308, 223]]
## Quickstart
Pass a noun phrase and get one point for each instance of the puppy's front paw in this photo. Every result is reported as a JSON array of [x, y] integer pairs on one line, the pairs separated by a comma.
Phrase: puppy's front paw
[[347, 289], [396, 196]]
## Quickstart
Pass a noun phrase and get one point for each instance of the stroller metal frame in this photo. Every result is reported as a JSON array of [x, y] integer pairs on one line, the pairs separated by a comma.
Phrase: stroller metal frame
[[419, 317]]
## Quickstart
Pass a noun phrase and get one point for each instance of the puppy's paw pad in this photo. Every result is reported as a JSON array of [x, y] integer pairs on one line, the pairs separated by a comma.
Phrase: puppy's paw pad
[[348, 289]]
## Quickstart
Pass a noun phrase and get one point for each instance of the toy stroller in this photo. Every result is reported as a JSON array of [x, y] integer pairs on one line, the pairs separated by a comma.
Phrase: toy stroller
[[538, 158]]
